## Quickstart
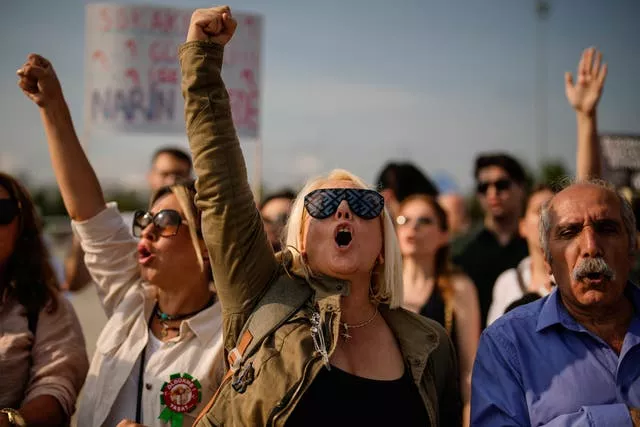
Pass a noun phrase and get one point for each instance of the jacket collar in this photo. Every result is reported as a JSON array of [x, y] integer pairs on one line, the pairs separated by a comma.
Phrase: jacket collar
[[415, 337], [323, 285]]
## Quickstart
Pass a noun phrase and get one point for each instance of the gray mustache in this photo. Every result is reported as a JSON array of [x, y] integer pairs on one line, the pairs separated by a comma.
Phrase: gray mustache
[[593, 266]]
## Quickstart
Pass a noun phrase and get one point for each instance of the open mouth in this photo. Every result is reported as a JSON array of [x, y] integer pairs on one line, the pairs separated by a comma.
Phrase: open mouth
[[343, 237], [595, 276], [144, 254]]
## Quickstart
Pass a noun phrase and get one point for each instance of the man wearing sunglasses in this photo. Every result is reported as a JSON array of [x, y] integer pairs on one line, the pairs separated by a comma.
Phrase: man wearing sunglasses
[[497, 246]]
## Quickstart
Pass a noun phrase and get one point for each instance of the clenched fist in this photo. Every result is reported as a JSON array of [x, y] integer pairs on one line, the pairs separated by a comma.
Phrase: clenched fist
[[39, 82], [215, 24]]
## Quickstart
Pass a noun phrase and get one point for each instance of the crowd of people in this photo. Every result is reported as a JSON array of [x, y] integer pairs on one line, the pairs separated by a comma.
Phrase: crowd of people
[[340, 304]]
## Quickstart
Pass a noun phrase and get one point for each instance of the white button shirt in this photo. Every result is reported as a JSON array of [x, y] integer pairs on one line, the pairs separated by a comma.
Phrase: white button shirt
[[110, 251]]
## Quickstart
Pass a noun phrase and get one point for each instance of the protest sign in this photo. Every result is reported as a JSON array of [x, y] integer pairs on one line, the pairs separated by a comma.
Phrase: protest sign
[[621, 160], [133, 74]]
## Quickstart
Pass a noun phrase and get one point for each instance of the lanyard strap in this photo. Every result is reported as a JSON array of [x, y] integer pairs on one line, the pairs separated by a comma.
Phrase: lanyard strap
[[141, 374], [140, 385]]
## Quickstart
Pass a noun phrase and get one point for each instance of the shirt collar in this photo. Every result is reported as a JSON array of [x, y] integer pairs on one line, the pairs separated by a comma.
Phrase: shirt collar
[[553, 312], [204, 325]]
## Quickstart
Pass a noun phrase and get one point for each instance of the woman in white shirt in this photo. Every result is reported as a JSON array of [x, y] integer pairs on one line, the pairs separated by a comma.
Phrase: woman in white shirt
[[158, 359]]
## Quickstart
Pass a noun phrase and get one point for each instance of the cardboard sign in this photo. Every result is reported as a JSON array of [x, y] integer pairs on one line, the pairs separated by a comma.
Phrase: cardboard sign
[[133, 74]]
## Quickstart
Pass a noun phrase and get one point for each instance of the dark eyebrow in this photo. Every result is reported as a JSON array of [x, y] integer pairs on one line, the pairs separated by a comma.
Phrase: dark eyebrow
[[606, 222]]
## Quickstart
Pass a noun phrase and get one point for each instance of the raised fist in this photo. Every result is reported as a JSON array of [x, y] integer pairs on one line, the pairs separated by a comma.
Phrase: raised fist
[[214, 24], [39, 82]]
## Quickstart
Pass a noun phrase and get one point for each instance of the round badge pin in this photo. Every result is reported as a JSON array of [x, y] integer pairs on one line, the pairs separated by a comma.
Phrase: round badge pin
[[181, 394]]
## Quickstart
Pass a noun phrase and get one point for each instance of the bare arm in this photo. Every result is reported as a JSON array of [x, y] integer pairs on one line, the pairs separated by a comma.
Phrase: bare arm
[[78, 183], [583, 96], [43, 411], [467, 315], [106, 240]]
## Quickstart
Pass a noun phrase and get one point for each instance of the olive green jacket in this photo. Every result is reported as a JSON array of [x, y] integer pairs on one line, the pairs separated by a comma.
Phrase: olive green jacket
[[284, 363]]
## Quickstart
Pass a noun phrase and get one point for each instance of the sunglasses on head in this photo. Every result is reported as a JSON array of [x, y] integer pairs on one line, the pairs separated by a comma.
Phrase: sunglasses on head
[[500, 185], [419, 221], [166, 221], [322, 203], [8, 211]]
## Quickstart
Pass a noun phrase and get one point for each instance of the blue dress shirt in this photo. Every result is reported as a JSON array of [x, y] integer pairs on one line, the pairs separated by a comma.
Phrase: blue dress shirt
[[537, 366]]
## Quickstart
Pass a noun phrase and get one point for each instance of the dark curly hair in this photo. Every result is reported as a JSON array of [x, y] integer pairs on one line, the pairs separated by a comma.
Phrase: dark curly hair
[[29, 277]]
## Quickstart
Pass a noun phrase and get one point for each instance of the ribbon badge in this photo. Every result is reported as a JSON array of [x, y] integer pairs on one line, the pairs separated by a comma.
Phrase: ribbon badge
[[180, 395]]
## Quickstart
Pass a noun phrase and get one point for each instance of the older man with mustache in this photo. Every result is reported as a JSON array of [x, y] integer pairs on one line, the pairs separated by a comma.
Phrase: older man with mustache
[[573, 357]]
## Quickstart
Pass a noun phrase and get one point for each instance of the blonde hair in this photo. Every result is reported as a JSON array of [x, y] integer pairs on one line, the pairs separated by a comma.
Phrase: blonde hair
[[386, 278]]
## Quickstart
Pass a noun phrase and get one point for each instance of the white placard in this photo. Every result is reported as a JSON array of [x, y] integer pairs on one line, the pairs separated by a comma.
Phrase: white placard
[[133, 74]]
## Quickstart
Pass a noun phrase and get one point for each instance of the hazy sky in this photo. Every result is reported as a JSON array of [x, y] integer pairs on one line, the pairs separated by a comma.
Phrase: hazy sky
[[354, 83]]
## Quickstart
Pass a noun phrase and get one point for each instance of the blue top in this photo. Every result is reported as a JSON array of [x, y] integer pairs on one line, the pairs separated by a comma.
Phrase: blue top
[[537, 366]]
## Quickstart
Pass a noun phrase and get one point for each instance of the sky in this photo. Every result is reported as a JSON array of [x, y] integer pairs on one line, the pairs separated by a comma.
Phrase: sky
[[354, 84]]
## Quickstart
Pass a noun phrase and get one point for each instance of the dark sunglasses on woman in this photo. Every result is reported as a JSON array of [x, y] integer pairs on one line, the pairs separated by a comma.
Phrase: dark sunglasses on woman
[[8, 211], [166, 221], [500, 185], [322, 203]]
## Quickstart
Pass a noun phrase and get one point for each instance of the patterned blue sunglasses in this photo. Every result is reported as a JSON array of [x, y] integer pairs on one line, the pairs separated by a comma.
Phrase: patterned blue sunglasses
[[323, 203]]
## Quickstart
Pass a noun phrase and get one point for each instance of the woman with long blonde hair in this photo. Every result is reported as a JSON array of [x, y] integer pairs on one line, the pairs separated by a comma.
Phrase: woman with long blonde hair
[[314, 335]]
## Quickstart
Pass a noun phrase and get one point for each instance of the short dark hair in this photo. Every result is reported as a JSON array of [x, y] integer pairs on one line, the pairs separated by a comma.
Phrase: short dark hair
[[285, 193], [405, 179], [176, 152], [510, 165]]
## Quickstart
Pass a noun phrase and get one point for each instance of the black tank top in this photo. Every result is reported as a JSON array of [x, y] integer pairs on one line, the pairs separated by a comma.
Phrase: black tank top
[[337, 398], [435, 309]]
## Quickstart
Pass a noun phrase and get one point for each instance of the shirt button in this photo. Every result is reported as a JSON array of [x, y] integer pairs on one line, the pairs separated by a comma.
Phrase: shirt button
[[148, 386]]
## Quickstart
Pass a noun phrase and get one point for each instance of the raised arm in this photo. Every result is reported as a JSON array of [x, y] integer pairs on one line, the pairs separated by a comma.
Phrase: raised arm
[[241, 257], [106, 240], [78, 183], [583, 96]]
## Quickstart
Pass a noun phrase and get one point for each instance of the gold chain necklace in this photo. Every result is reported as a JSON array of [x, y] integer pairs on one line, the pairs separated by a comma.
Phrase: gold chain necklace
[[347, 326]]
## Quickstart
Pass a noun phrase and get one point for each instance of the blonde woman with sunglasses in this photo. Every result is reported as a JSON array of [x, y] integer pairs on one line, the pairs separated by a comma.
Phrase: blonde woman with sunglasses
[[314, 335], [158, 359]]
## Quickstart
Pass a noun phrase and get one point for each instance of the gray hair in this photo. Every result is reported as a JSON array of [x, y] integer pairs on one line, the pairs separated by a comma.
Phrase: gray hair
[[626, 211]]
